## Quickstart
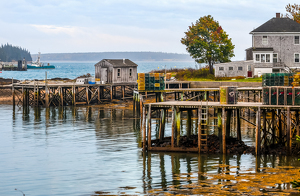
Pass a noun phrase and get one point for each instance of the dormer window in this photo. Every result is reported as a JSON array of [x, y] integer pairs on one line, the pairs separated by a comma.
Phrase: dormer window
[[296, 39], [265, 40]]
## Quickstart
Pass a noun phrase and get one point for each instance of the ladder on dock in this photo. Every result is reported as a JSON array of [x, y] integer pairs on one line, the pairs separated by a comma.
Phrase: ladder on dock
[[204, 128]]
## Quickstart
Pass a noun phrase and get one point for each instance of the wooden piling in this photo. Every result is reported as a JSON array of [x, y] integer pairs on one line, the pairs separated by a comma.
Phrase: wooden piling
[[199, 129], [238, 130], [162, 125], [273, 127], [228, 118], [264, 128], [173, 127], [288, 130], [178, 119], [258, 131], [189, 123], [149, 127], [223, 131], [144, 129], [220, 127]]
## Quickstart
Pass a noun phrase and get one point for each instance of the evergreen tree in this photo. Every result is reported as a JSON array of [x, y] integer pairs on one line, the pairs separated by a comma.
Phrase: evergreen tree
[[13, 53]]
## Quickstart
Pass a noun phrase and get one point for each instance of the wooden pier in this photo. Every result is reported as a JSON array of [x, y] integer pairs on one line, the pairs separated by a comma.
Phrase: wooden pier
[[281, 128], [43, 94]]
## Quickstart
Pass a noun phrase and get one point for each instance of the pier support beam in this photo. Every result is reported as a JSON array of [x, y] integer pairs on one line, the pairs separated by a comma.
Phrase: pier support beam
[[144, 129], [189, 123], [178, 119], [228, 118], [288, 130], [149, 127], [223, 132], [258, 131], [173, 127], [199, 128], [238, 129], [162, 125]]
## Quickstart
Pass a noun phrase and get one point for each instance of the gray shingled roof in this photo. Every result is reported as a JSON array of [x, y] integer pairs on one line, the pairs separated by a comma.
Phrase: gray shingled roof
[[119, 62], [278, 25]]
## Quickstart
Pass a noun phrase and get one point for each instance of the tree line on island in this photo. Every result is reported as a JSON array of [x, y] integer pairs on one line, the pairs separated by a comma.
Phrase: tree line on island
[[10, 53]]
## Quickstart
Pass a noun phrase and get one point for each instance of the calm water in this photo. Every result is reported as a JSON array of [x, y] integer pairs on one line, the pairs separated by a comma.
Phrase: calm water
[[92, 150], [74, 69]]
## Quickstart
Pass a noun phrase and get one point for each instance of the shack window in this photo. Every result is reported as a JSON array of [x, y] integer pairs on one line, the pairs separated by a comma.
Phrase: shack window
[[265, 40], [130, 72], [221, 68], [231, 68], [296, 58], [296, 39], [274, 58], [240, 68], [119, 72]]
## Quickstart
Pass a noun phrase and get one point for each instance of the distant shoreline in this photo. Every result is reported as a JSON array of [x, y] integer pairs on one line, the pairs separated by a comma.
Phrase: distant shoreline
[[97, 56]]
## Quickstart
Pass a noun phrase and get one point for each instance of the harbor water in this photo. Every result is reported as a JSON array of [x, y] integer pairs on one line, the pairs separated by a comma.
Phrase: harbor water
[[72, 70], [96, 151]]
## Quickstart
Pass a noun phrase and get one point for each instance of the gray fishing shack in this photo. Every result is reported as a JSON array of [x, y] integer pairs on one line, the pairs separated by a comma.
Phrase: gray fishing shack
[[114, 71]]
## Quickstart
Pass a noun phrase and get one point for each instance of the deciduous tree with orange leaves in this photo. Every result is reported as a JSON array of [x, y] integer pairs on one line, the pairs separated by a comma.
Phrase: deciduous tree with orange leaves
[[207, 42], [293, 12]]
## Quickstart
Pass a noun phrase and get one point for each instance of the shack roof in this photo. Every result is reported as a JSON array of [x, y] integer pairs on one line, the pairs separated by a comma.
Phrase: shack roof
[[278, 25], [116, 63]]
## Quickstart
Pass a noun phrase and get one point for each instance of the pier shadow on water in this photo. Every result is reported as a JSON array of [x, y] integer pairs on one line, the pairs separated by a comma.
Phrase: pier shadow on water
[[97, 151]]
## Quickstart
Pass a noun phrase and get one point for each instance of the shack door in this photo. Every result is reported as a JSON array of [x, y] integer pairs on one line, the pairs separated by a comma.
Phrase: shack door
[[104, 75]]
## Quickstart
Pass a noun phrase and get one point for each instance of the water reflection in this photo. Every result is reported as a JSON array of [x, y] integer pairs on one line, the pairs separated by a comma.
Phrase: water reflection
[[97, 150], [164, 171]]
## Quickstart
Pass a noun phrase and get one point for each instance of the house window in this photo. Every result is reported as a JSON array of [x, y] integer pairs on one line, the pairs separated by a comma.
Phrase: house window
[[257, 57], [130, 72], [262, 57], [221, 68], [240, 68], [296, 39], [275, 58], [265, 40], [296, 58], [249, 67], [268, 58], [119, 72], [230, 68]]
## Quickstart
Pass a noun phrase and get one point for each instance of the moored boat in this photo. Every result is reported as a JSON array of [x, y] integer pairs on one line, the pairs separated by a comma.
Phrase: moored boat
[[39, 65]]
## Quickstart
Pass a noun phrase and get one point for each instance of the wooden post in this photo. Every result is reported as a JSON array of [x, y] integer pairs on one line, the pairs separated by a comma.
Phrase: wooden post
[[238, 130], [178, 119], [220, 127], [134, 102], [162, 125], [13, 92], [141, 104], [87, 95], [123, 92], [173, 127], [46, 91], [23, 96], [288, 130], [189, 123], [144, 129], [74, 95], [228, 118], [199, 128], [297, 123], [223, 131], [264, 112], [111, 92], [258, 131], [273, 126], [149, 127], [61, 96]]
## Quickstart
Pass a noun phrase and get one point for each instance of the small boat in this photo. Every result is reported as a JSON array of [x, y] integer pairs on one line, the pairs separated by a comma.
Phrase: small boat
[[39, 65]]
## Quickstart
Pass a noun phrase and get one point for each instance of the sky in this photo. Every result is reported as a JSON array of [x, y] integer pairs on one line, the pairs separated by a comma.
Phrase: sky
[[73, 26]]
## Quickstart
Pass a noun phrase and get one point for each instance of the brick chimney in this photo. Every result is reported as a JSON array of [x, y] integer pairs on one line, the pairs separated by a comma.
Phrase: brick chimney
[[277, 15]]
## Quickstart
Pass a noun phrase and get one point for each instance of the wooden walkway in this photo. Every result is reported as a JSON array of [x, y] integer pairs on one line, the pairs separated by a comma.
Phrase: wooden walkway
[[281, 128]]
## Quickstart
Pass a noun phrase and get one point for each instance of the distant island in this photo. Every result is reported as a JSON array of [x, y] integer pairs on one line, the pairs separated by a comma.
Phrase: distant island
[[97, 56], [9, 53]]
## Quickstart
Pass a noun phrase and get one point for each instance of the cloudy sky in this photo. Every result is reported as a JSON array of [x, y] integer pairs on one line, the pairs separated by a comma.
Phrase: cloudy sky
[[67, 26]]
